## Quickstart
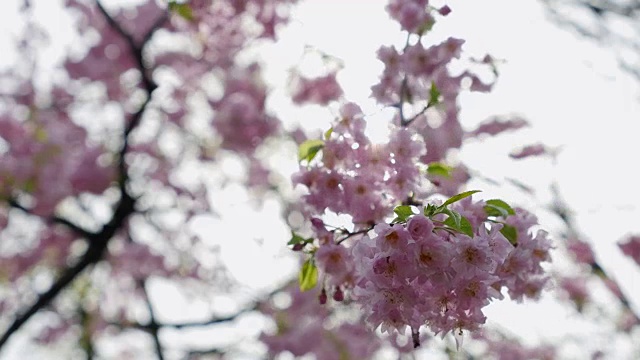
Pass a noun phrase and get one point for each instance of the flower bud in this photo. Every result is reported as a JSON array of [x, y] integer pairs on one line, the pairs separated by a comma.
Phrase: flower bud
[[323, 297], [338, 295]]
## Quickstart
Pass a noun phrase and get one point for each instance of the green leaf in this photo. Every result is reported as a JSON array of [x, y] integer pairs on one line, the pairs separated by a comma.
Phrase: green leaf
[[403, 212], [440, 169], [430, 210], [308, 277], [297, 239], [453, 219], [309, 149], [510, 233], [459, 197], [434, 95], [425, 27], [30, 185], [327, 134], [182, 9], [458, 222], [497, 207], [465, 227]]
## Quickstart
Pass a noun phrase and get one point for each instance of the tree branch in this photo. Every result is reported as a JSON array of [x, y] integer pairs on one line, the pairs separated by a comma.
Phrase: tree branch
[[125, 207], [154, 325], [211, 321], [149, 85], [136, 49], [562, 211], [55, 220], [97, 245]]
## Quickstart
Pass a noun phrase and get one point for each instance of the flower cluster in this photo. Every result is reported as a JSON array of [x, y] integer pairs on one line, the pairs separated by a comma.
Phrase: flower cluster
[[320, 90], [49, 159], [499, 347], [422, 272], [358, 177], [99, 150], [241, 118], [441, 266], [302, 329], [437, 268]]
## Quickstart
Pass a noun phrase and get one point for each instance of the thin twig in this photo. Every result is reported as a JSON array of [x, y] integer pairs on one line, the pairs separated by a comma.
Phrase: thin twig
[[352, 234], [153, 325], [54, 219]]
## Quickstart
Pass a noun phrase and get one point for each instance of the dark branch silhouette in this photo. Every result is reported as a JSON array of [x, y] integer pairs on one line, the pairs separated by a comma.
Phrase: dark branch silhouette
[[153, 325], [124, 208], [599, 20], [55, 219]]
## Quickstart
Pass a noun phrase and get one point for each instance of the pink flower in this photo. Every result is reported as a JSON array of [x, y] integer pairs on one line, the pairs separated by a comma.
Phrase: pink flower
[[631, 248], [405, 145], [432, 256], [420, 227], [390, 57], [391, 270], [418, 60], [363, 199], [391, 236], [412, 15], [575, 290], [581, 251], [473, 293], [472, 257], [333, 259], [351, 121]]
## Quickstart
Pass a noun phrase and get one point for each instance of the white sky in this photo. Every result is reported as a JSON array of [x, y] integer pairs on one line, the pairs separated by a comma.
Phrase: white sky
[[569, 89]]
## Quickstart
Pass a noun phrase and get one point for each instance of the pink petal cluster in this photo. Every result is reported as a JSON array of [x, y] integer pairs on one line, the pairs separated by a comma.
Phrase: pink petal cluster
[[240, 117], [413, 15], [574, 289], [306, 327], [410, 75], [498, 347], [358, 177], [416, 274], [320, 90], [105, 61], [581, 251], [49, 159], [52, 249]]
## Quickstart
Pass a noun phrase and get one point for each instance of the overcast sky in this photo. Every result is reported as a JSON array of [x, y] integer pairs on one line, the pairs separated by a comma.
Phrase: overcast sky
[[568, 88]]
